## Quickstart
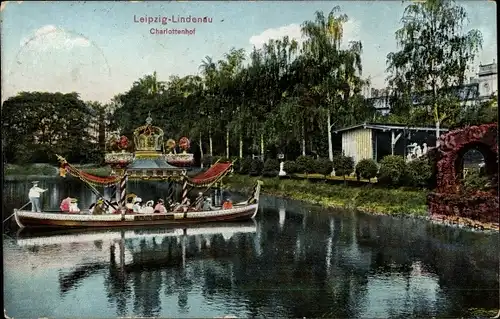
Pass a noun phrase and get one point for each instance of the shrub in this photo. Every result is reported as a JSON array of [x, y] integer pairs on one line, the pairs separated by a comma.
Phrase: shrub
[[271, 168], [210, 160], [236, 163], [290, 167], [392, 170], [344, 165], [418, 173], [323, 166], [271, 165], [245, 165], [367, 168], [475, 181], [256, 167], [305, 164]]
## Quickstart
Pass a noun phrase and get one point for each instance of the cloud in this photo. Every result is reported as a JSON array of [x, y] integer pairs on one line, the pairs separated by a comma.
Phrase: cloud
[[51, 37], [293, 31]]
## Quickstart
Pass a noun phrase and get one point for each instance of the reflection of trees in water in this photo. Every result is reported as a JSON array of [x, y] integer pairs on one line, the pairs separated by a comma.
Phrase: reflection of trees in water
[[328, 274], [118, 291], [466, 263]]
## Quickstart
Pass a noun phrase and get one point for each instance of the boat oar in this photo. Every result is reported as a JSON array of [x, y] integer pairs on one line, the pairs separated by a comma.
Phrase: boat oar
[[15, 211]]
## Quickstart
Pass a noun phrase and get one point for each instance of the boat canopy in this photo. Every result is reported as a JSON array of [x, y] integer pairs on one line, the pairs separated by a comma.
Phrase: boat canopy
[[212, 175]]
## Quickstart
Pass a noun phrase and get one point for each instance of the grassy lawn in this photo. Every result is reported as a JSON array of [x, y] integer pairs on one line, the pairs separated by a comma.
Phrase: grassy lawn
[[368, 198]]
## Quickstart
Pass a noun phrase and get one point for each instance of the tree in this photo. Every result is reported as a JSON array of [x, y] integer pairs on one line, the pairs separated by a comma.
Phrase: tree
[[435, 54]]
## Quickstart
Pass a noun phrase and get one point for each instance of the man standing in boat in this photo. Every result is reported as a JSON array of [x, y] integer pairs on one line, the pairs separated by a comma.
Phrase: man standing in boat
[[34, 196]]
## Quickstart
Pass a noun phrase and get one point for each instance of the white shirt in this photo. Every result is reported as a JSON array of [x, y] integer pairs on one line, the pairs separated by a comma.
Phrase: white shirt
[[147, 210], [35, 191]]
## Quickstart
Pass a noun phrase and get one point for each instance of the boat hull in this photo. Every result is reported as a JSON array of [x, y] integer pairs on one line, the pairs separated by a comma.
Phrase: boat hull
[[30, 219]]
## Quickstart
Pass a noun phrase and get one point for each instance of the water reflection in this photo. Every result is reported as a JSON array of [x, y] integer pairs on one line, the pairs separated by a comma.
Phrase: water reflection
[[330, 264]]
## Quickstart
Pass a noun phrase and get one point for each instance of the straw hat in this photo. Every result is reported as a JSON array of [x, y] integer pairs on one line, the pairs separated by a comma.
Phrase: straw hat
[[34, 182], [74, 200]]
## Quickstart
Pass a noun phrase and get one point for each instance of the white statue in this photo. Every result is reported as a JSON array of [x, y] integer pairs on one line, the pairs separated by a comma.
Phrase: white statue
[[418, 151], [282, 169], [414, 148], [424, 148]]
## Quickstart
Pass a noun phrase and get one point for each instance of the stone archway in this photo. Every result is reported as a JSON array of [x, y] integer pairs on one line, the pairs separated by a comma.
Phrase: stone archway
[[449, 197]]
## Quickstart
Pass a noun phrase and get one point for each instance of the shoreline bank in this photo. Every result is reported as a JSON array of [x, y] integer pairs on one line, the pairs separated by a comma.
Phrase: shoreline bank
[[372, 200]]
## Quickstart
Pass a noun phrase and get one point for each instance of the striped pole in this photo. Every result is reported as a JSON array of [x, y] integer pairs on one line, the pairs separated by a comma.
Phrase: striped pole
[[252, 196], [184, 189], [123, 189]]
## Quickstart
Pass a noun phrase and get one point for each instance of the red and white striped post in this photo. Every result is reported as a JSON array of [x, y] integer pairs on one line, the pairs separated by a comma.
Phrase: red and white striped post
[[184, 188], [123, 193]]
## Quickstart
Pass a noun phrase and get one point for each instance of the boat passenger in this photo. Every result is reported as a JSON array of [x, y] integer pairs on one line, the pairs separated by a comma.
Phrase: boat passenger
[[228, 204], [98, 207], [34, 196], [148, 209], [65, 204], [137, 205], [73, 207], [160, 207], [207, 204], [130, 203]]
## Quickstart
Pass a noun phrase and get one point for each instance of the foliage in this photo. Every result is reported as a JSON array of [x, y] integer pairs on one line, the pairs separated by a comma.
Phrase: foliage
[[33, 169], [323, 166], [290, 167], [392, 170], [271, 165], [435, 54], [367, 168], [475, 181], [305, 164], [256, 167], [245, 166], [418, 173], [343, 165], [36, 126]]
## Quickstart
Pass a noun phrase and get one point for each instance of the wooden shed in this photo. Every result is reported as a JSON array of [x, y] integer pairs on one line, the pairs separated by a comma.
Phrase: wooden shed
[[373, 140]]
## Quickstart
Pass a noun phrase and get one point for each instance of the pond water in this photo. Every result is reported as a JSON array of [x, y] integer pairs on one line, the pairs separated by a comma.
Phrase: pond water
[[294, 260]]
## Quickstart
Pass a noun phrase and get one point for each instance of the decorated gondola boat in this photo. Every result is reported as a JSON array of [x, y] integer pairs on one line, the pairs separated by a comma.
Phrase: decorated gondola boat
[[151, 159]]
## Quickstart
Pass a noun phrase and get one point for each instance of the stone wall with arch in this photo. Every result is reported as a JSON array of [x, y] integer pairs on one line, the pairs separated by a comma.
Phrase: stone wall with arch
[[449, 197]]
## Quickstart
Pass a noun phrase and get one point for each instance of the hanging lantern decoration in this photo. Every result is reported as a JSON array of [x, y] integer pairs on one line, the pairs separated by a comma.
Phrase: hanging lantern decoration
[[184, 144]]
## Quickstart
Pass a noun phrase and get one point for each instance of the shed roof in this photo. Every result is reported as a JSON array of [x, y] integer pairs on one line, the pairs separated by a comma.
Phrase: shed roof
[[153, 164], [389, 127]]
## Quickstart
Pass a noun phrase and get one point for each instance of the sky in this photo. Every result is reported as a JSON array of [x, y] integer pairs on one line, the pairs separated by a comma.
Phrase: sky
[[99, 49]]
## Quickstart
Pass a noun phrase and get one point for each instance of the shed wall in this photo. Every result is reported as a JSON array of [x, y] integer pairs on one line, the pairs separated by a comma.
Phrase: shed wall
[[358, 144]]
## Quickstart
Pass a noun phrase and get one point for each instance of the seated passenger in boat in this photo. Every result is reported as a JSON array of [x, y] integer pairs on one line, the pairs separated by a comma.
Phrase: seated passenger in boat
[[73, 207], [148, 209], [137, 208], [207, 204], [228, 204], [160, 207], [65, 204], [98, 208]]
